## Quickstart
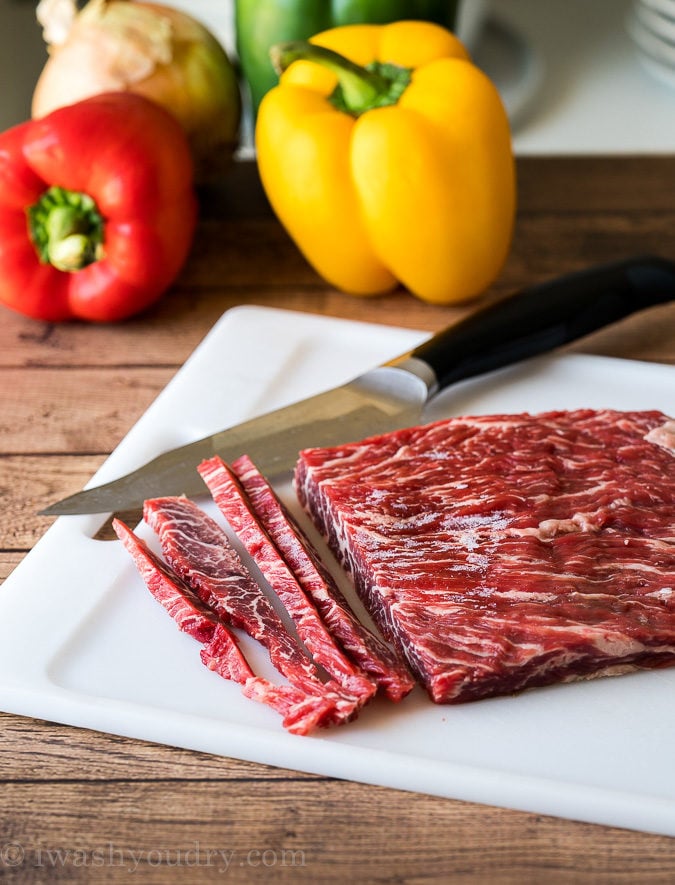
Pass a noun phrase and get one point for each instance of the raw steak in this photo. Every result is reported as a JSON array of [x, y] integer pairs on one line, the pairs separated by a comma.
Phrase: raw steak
[[302, 712], [509, 551], [199, 551], [220, 651], [235, 507], [184, 606], [362, 646]]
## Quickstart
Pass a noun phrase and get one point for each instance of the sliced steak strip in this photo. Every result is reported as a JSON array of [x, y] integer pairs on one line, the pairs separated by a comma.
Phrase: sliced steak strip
[[235, 507], [503, 552], [187, 610], [361, 646], [200, 552], [301, 712]]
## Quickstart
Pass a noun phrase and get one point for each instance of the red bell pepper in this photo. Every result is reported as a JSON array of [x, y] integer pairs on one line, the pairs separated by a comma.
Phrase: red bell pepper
[[97, 209]]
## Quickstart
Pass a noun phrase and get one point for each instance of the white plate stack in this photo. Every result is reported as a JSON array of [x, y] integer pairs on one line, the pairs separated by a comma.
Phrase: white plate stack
[[651, 24]]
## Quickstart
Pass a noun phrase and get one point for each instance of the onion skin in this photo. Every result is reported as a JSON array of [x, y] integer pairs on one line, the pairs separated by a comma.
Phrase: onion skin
[[157, 52]]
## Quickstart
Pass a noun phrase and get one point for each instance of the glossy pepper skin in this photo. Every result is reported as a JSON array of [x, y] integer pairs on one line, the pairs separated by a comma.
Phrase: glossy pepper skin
[[103, 190], [262, 23], [421, 191]]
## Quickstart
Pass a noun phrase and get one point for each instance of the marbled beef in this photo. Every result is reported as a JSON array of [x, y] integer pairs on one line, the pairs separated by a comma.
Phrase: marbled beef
[[236, 508], [509, 551], [200, 553], [363, 647], [302, 712]]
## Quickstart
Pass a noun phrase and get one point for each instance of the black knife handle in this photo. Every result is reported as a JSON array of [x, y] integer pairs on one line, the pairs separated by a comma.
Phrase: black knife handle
[[546, 316]]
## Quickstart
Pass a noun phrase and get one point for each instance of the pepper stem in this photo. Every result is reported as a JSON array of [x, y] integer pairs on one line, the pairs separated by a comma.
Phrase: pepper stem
[[359, 89], [66, 229]]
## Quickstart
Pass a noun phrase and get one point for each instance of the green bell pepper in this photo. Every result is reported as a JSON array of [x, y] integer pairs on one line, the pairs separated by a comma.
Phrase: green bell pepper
[[262, 23]]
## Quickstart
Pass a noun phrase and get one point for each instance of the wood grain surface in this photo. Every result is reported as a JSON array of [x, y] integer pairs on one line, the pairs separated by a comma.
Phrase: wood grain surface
[[79, 806]]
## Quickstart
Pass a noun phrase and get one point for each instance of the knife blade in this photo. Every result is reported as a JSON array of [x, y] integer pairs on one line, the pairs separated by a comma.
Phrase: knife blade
[[531, 322]]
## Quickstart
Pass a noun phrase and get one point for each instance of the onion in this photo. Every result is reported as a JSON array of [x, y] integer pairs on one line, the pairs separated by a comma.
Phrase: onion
[[156, 51]]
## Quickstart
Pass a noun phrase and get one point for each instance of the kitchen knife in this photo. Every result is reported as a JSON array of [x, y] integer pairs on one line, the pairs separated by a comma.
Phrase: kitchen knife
[[531, 322]]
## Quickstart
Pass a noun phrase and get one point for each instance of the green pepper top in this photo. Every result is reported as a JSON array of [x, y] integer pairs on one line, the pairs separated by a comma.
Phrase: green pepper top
[[262, 23]]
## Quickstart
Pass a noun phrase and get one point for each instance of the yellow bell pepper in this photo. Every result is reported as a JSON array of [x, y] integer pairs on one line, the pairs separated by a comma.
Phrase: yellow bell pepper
[[398, 172]]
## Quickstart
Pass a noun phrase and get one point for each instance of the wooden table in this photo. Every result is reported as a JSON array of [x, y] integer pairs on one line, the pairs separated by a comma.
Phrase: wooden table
[[69, 394]]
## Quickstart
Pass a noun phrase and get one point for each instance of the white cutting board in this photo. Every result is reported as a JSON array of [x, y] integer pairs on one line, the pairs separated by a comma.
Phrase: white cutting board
[[82, 641]]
